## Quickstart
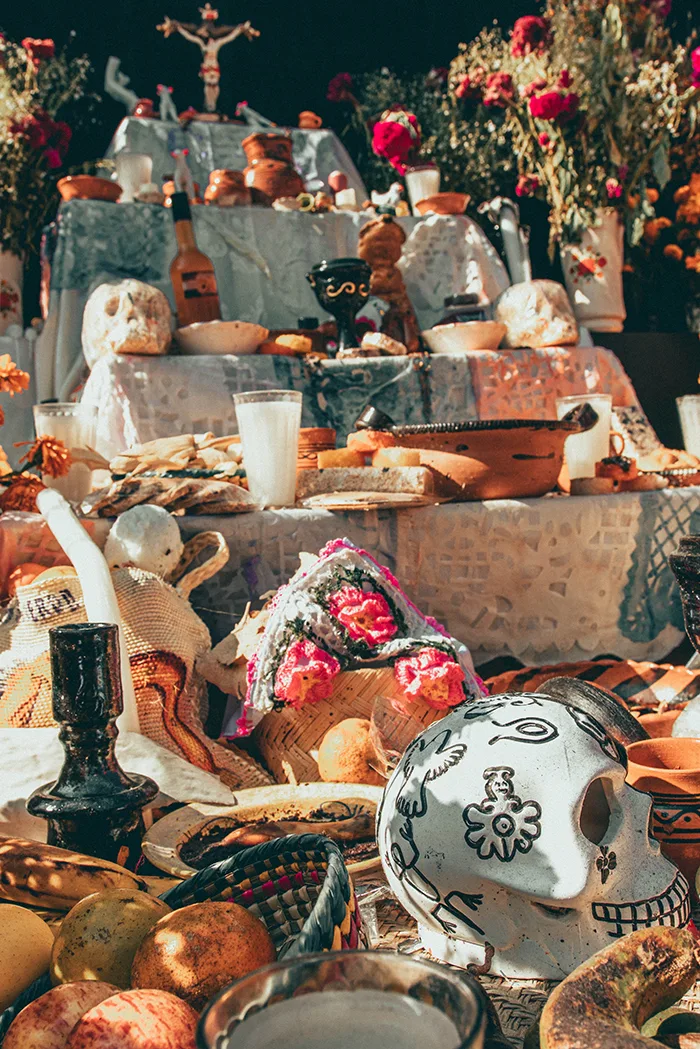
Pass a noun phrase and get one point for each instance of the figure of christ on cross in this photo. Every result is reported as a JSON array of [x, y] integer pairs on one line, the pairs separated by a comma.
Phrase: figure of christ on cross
[[210, 38]]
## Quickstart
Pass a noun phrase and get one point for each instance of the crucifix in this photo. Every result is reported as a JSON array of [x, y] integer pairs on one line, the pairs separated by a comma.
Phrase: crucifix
[[210, 38]]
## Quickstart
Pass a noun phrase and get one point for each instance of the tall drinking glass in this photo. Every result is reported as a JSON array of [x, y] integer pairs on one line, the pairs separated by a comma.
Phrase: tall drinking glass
[[347, 1000], [133, 170], [269, 422], [689, 414], [421, 182], [74, 424], [583, 450]]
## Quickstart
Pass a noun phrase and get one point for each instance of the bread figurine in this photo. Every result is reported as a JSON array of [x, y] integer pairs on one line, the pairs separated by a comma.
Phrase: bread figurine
[[380, 244]]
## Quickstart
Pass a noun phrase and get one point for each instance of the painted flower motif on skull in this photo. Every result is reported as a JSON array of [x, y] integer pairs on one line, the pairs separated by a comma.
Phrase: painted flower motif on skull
[[502, 825]]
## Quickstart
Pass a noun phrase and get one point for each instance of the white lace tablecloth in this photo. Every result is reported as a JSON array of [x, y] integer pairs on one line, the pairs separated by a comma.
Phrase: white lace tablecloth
[[261, 257], [141, 398], [545, 580], [212, 146]]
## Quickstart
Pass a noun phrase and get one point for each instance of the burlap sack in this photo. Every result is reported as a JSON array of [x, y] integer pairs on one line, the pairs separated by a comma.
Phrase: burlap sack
[[164, 636]]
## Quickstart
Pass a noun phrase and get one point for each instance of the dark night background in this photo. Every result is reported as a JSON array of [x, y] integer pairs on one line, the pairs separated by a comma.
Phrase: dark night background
[[286, 70]]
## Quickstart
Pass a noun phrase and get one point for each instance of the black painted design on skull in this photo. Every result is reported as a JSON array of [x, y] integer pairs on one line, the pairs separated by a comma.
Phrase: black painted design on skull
[[484, 707], [526, 730], [502, 825], [588, 724], [412, 801], [606, 863]]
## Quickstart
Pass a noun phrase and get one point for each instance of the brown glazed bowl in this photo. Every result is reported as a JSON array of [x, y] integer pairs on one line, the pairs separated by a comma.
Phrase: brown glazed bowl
[[89, 187], [496, 458], [268, 145], [669, 770], [443, 204]]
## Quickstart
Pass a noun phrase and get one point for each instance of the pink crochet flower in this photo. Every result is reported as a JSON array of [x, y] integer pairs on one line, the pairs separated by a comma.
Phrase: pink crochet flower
[[365, 616], [431, 675], [305, 675]]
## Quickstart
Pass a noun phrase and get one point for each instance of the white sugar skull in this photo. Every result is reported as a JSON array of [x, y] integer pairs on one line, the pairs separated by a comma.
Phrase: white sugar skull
[[509, 832], [129, 317]]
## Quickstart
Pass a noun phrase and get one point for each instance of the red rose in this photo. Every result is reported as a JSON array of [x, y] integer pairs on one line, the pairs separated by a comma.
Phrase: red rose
[[467, 90], [695, 65], [53, 158], [565, 79], [38, 49], [62, 136], [529, 33], [499, 90], [394, 142], [543, 139], [32, 130], [527, 186], [340, 88], [569, 107], [547, 106]]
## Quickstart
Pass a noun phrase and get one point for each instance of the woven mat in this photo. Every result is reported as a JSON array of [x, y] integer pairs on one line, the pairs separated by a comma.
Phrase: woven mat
[[518, 1002]]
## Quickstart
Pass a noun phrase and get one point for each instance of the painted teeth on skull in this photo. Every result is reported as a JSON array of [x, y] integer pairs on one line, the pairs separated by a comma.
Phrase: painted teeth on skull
[[671, 907]]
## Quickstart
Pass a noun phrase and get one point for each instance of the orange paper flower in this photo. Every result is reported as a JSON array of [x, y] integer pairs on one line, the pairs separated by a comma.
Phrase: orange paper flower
[[50, 455], [12, 379], [672, 251], [21, 493], [693, 263]]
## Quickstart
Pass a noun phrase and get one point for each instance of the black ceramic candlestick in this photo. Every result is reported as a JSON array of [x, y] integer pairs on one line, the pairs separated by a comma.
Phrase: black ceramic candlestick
[[94, 806], [341, 287], [685, 563]]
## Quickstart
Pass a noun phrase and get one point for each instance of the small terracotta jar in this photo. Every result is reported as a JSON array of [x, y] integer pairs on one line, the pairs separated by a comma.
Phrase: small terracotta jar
[[669, 770], [227, 188], [270, 173]]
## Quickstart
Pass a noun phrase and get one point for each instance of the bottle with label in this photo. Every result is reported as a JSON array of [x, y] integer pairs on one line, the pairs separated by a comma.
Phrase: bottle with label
[[191, 271]]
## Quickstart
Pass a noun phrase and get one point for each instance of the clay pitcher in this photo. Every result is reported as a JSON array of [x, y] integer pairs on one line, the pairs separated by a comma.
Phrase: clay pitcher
[[669, 770], [270, 173]]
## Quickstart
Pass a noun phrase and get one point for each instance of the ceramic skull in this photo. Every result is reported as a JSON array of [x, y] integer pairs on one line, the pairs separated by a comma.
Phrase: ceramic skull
[[129, 317], [509, 832]]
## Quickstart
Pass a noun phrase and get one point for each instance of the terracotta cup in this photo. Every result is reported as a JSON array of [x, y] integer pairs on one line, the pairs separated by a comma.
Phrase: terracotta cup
[[669, 770], [660, 724]]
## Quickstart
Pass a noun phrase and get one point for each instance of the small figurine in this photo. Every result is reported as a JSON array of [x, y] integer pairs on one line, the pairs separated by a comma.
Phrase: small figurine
[[210, 39], [116, 85], [390, 199], [310, 121], [166, 107]]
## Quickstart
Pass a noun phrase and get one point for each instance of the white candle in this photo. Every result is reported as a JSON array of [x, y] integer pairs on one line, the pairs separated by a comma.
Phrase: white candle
[[74, 425], [269, 423], [689, 413], [583, 450], [422, 182], [346, 198], [359, 1019]]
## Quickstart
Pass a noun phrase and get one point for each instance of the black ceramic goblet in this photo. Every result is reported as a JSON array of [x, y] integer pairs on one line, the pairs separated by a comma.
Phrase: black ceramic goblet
[[341, 287], [685, 563]]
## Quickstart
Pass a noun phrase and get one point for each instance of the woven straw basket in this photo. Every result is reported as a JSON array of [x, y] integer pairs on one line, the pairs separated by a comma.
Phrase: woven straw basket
[[297, 886], [288, 740]]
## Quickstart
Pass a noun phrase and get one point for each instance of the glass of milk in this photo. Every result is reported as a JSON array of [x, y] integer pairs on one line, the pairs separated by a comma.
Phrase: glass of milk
[[74, 424], [268, 423], [347, 1000], [583, 450]]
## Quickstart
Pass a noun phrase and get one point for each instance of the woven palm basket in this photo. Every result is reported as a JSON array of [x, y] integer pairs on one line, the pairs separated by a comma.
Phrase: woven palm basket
[[297, 886], [288, 740]]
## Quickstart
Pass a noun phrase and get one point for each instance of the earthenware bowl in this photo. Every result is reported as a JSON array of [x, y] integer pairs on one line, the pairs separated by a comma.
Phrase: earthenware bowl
[[219, 337], [312, 805], [341, 287], [495, 458], [443, 204], [669, 770], [466, 336], [660, 725], [89, 187]]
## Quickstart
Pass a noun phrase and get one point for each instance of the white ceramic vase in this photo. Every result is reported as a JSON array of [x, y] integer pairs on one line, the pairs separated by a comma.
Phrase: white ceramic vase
[[593, 274], [11, 280]]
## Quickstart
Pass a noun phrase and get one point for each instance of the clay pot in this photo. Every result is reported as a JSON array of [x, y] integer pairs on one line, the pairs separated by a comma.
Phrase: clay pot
[[312, 440], [269, 179], [227, 188], [660, 725], [267, 145], [669, 770], [89, 187], [443, 204], [495, 459]]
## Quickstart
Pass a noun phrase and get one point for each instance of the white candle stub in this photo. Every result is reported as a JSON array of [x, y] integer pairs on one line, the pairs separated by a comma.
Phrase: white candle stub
[[361, 1019]]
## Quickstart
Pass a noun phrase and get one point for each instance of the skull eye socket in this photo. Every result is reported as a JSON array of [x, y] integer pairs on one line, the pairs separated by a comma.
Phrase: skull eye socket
[[112, 307], [596, 813]]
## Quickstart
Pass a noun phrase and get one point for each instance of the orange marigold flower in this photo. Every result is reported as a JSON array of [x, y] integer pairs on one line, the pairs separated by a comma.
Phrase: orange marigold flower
[[50, 455], [693, 263], [12, 379], [672, 251], [681, 195], [652, 195], [654, 227], [21, 493]]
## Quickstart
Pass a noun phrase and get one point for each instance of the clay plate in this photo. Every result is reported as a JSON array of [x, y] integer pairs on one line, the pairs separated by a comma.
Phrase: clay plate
[[443, 204], [165, 839]]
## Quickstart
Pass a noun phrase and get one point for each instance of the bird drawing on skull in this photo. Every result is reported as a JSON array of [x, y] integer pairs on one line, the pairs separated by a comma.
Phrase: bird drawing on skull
[[412, 800]]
